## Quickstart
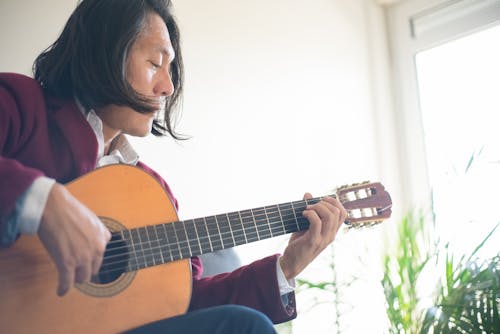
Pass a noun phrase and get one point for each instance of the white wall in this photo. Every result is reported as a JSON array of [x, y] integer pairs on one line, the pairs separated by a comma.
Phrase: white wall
[[27, 27], [281, 97], [277, 97], [277, 101]]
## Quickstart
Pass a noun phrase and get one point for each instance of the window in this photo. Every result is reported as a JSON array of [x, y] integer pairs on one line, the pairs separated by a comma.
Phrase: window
[[446, 59], [458, 85]]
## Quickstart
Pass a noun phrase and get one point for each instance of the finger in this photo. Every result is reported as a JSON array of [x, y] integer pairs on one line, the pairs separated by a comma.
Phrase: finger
[[96, 265], [66, 276], [330, 216], [343, 212], [98, 259], [314, 223], [308, 196], [322, 211], [83, 273], [107, 233], [328, 205], [334, 203], [343, 217], [332, 200]]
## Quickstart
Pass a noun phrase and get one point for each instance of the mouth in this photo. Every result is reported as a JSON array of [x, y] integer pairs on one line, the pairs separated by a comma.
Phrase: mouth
[[158, 105]]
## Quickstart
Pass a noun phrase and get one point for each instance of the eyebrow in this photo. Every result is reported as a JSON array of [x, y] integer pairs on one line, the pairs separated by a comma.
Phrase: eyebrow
[[169, 52]]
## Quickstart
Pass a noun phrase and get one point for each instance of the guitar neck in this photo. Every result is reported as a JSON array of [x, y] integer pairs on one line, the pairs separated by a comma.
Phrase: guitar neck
[[162, 243], [129, 250]]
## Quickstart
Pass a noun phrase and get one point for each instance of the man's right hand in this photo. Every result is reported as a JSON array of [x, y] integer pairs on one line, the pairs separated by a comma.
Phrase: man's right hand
[[74, 237]]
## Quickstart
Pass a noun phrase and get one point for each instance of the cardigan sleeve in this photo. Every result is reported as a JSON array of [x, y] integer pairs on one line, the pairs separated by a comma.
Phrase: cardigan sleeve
[[16, 127], [254, 285]]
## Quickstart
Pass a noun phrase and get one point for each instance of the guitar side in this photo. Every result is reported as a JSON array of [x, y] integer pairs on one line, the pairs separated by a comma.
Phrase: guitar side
[[28, 278]]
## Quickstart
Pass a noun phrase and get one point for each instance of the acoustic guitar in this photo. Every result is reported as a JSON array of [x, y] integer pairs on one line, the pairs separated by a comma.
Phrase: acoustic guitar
[[146, 272]]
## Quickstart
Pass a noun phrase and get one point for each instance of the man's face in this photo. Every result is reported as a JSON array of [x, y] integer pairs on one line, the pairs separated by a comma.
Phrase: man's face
[[148, 72]]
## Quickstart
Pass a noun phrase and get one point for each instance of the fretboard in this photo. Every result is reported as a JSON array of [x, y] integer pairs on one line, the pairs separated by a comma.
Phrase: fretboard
[[157, 244]]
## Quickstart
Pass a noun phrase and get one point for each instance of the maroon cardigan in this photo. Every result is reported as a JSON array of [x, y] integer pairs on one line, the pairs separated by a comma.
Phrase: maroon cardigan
[[40, 135]]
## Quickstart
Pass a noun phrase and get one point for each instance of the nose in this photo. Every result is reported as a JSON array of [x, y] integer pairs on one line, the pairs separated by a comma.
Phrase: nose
[[164, 86]]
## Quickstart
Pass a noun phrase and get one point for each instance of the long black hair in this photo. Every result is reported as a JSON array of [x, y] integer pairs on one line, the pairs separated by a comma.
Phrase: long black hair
[[88, 60]]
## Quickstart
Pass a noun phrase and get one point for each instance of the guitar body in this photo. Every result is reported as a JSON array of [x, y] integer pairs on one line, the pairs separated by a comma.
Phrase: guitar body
[[123, 197], [146, 273]]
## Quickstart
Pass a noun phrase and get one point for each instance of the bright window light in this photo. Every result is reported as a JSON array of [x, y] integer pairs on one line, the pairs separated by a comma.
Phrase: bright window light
[[459, 91]]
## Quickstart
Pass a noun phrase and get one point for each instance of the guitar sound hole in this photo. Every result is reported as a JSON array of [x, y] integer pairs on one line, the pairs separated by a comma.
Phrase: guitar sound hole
[[115, 261]]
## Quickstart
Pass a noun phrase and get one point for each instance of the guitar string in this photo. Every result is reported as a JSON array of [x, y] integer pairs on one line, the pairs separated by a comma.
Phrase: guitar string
[[258, 215], [187, 251], [130, 266], [225, 236], [144, 263], [277, 210], [225, 221], [254, 214], [203, 242], [184, 250]]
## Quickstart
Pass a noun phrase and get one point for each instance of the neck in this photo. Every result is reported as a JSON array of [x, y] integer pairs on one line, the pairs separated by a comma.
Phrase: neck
[[109, 133], [109, 136]]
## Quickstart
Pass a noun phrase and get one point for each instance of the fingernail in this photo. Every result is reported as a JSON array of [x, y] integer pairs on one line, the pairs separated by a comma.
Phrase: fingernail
[[61, 291]]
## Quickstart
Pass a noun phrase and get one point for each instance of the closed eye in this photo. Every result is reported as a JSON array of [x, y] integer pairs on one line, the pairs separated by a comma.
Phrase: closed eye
[[155, 65]]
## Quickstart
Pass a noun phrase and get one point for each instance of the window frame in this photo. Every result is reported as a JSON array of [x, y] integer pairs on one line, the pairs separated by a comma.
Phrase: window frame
[[414, 26]]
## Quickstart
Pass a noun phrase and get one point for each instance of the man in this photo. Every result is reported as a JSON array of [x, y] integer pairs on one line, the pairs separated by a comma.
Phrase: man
[[117, 69]]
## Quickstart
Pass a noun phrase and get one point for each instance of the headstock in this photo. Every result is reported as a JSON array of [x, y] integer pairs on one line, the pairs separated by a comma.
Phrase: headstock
[[366, 203]]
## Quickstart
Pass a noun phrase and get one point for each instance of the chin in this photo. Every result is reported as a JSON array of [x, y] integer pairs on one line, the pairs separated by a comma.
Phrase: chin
[[143, 130], [139, 132], [143, 133]]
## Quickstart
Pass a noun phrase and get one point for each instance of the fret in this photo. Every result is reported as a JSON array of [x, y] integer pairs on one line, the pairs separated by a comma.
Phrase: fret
[[175, 248], [275, 223], [181, 234], [141, 259], [202, 228], [225, 230], [214, 233], [313, 200], [146, 246], [299, 207], [255, 223], [289, 218], [267, 220], [240, 219], [283, 222], [262, 223], [166, 253], [155, 246], [230, 228], [249, 225], [237, 228], [192, 237], [133, 263]]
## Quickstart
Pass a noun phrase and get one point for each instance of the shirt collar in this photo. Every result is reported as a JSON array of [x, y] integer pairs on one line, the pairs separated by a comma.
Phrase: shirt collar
[[121, 151]]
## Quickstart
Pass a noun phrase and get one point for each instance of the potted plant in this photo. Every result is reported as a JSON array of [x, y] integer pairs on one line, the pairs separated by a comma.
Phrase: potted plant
[[466, 297]]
